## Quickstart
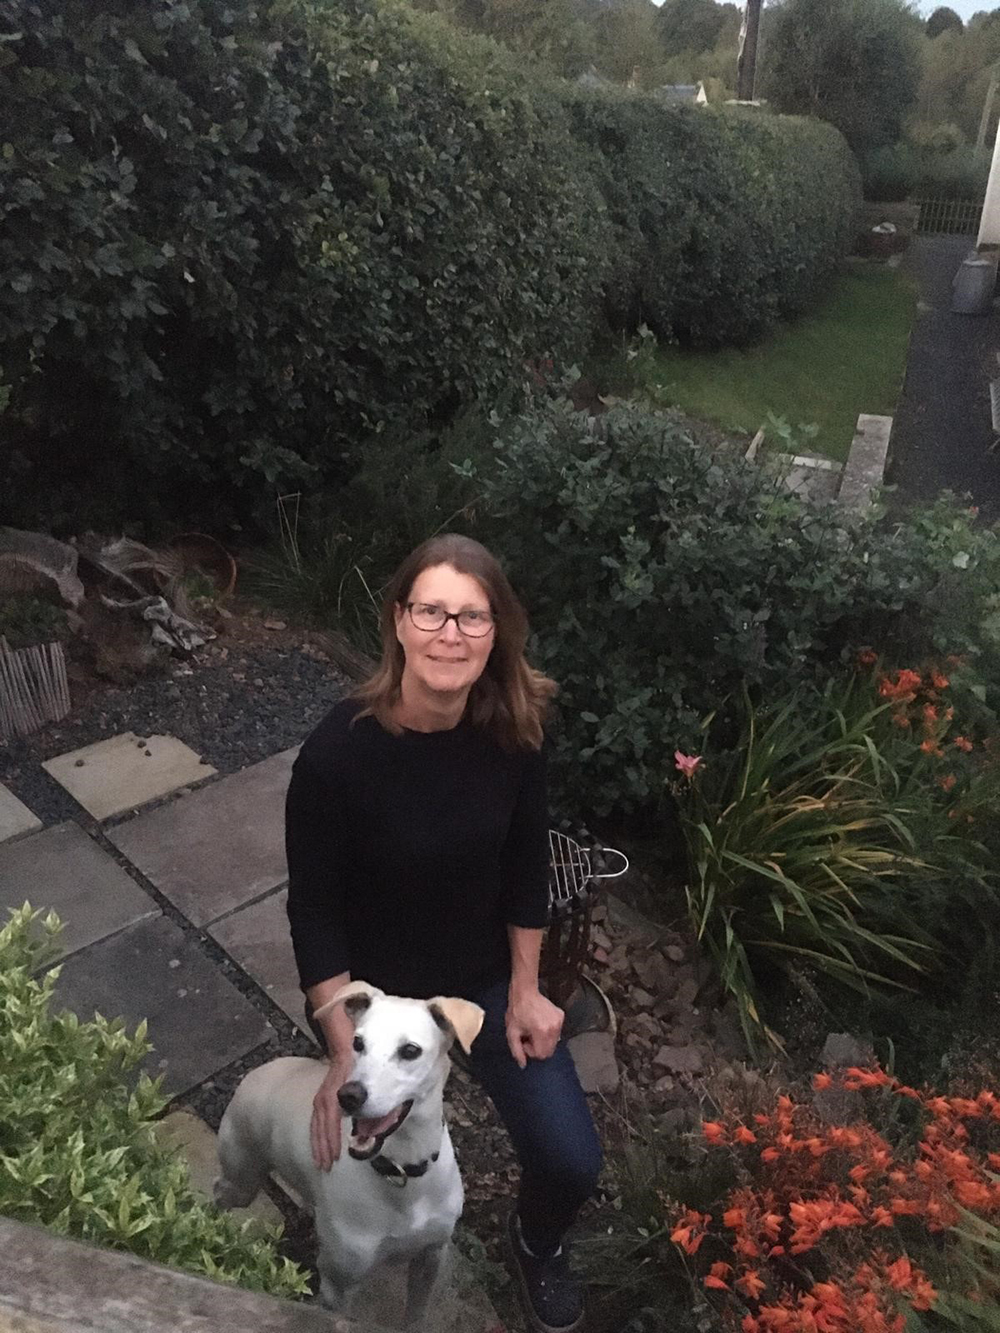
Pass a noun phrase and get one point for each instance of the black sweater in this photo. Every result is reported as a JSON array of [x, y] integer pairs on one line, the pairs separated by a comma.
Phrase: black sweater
[[408, 856]]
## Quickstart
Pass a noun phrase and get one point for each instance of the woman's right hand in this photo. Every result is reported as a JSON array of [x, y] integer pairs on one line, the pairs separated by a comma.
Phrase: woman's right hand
[[327, 1116]]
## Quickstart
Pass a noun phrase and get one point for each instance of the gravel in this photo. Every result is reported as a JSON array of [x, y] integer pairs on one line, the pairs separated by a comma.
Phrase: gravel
[[232, 710]]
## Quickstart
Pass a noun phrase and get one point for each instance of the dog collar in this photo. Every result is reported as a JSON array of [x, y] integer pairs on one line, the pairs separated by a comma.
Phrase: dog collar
[[398, 1174]]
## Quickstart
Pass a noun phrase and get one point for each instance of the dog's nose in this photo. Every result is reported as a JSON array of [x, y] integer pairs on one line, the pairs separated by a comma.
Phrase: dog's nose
[[352, 1096]]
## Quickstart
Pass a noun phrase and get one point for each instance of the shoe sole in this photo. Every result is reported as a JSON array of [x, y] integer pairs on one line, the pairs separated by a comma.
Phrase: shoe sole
[[539, 1325]]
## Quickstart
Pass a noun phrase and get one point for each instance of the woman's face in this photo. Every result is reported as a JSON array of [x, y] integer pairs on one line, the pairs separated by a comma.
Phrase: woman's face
[[444, 661]]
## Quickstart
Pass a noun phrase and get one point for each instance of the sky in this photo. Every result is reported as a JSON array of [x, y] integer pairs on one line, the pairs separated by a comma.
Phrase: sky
[[964, 7]]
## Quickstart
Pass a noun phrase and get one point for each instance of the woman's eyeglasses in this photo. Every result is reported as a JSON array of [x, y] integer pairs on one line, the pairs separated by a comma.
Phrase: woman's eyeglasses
[[430, 617]]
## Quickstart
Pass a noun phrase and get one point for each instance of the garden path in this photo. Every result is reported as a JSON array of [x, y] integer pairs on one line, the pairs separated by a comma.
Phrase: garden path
[[174, 913], [943, 429]]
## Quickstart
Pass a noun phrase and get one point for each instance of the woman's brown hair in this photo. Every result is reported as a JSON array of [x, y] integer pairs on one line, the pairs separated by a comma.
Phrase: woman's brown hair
[[510, 698]]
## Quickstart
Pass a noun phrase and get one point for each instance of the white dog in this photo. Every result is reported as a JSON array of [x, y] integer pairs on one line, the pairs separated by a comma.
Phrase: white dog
[[395, 1194]]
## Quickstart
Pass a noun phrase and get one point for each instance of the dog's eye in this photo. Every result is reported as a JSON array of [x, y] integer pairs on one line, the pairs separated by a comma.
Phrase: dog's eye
[[359, 1044], [410, 1051]]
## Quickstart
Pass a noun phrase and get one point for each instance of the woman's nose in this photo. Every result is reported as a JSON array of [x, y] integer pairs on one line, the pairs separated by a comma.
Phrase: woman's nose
[[451, 632]]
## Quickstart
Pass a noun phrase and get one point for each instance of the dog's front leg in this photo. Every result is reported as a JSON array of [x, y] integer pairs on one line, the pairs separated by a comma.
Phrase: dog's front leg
[[421, 1279], [336, 1284]]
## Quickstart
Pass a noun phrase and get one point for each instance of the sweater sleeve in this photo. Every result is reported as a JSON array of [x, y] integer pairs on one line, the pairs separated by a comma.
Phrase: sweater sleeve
[[315, 889], [526, 851]]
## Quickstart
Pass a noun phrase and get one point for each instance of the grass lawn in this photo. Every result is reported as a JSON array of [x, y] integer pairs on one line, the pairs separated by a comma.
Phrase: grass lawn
[[846, 357]]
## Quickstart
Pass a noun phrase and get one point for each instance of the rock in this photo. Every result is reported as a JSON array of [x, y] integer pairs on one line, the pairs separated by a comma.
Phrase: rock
[[687, 993], [642, 998], [646, 1024], [594, 1056], [679, 1059], [673, 1122], [655, 973], [663, 1084], [275, 624], [618, 959], [675, 953], [837, 1106], [599, 938], [623, 917], [600, 955], [841, 1049]]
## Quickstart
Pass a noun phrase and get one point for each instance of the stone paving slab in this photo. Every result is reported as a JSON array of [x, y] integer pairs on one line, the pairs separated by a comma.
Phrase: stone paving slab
[[125, 771], [215, 849], [198, 1021], [196, 1142], [257, 938], [64, 869], [15, 817]]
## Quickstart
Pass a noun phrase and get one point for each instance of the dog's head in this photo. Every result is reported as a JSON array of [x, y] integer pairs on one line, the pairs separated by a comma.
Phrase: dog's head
[[400, 1054]]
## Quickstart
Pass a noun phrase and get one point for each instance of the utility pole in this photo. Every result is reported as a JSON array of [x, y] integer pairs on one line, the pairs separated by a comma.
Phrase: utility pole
[[987, 108], [746, 61]]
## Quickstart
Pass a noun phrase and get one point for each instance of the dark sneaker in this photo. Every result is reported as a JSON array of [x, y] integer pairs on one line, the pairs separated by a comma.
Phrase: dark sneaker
[[552, 1296]]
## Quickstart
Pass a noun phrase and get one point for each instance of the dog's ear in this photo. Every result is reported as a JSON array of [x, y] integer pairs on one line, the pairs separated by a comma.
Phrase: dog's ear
[[460, 1018], [355, 996]]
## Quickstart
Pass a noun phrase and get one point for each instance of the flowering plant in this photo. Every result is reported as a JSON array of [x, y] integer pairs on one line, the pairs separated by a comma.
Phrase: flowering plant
[[792, 842], [843, 1229]]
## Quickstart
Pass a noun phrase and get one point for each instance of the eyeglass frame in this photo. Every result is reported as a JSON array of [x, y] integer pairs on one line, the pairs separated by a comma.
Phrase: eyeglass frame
[[449, 615]]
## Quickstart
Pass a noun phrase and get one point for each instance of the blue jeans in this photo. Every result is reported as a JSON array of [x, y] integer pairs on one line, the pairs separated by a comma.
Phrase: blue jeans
[[546, 1114]]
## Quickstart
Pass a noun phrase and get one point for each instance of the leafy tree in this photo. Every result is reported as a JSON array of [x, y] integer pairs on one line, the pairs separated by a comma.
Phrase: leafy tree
[[695, 25], [628, 35], [854, 63], [943, 20]]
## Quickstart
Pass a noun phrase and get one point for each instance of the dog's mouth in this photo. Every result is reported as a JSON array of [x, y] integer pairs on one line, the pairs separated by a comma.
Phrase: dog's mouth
[[367, 1136]]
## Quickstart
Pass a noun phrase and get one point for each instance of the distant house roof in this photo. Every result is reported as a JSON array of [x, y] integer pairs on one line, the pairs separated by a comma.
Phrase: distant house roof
[[683, 92]]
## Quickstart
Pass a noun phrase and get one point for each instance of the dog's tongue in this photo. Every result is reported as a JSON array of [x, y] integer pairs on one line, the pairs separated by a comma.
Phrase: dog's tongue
[[370, 1129]]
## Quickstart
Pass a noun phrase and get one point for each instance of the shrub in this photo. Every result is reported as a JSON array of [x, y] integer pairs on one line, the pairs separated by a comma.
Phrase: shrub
[[239, 239], [77, 1150], [782, 1220], [723, 221], [661, 578], [838, 838], [795, 853], [847, 1227]]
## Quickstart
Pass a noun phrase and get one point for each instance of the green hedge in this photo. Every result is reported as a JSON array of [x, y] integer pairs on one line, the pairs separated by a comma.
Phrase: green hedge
[[238, 238], [240, 242], [725, 219], [78, 1153], [662, 579]]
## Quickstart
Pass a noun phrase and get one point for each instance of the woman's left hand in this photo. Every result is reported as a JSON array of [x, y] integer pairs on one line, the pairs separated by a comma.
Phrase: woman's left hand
[[533, 1026]]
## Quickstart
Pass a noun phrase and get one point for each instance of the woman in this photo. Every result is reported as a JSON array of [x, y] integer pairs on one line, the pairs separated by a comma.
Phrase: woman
[[417, 835]]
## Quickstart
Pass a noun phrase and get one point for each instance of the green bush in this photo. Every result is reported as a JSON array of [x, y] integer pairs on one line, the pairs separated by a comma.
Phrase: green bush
[[902, 171], [238, 239], [723, 220], [661, 578], [831, 839], [77, 1149]]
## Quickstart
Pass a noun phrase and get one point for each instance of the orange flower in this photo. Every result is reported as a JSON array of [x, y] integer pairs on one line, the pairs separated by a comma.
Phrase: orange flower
[[904, 687], [930, 715], [691, 1232], [867, 657], [883, 1218], [963, 743], [947, 782], [751, 1283], [939, 681], [714, 1132], [770, 1155], [866, 1078], [717, 1275], [822, 1081], [743, 1135], [930, 746]]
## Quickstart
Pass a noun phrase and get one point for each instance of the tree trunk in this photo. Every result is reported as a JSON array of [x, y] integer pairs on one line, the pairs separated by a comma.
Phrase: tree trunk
[[746, 61]]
